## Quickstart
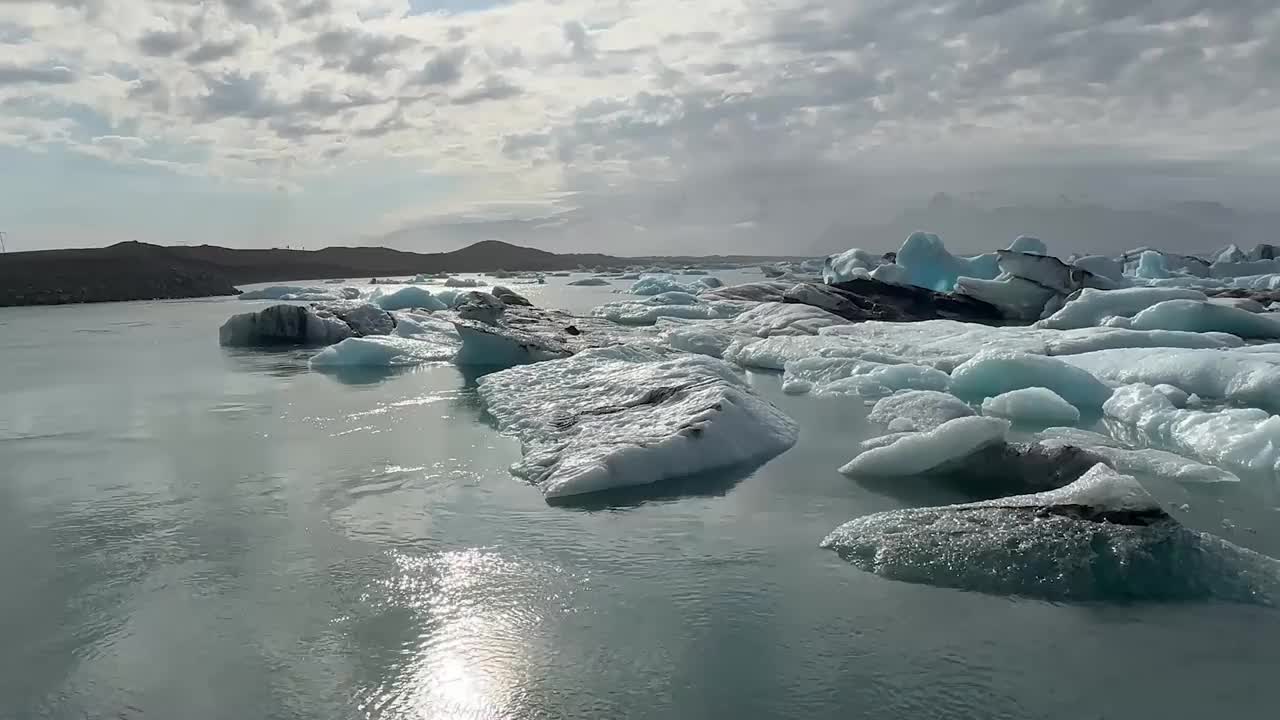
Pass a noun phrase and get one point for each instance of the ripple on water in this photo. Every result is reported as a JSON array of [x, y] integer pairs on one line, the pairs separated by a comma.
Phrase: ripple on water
[[477, 633]]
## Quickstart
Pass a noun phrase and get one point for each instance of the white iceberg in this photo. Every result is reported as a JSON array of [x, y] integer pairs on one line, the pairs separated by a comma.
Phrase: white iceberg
[[381, 351], [1245, 440], [844, 266], [648, 313], [1032, 405], [457, 282], [1151, 265], [1102, 266], [918, 410], [658, 284], [409, 297], [622, 417], [1201, 316], [997, 372], [1146, 461], [919, 453], [852, 376], [1251, 379], [1091, 306], [293, 292]]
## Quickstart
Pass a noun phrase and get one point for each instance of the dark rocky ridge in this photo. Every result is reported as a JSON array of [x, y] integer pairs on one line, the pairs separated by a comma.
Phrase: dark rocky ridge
[[138, 271]]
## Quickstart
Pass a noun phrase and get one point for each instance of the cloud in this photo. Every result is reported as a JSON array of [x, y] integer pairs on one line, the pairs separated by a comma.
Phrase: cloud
[[494, 87], [159, 44], [716, 119], [19, 75]]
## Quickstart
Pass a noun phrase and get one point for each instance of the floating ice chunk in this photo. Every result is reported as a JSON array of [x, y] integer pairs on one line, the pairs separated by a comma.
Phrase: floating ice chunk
[[622, 417], [588, 282], [1244, 269], [426, 328], [363, 318], [1245, 440], [645, 313], [672, 298], [750, 292], [409, 297], [1247, 378], [658, 284], [693, 271], [1028, 244], [1149, 462], [481, 307], [1100, 538], [1018, 299], [1032, 405], [700, 338], [769, 319], [282, 325], [711, 282], [1241, 303], [509, 296], [1091, 306], [918, 410], [1083, 340], [1151, 265], [1102, 266], [381, 351], [927, 264], [920, 453], [998, 372], [850, 376], [1201, 316], [842, 267], [292, 292], [457, 282], [891, 273]]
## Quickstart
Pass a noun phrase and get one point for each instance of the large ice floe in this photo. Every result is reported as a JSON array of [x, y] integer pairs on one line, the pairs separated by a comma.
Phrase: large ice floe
[[622, 416], [316, 324], [1101, 538], [1032, 405], [408, 297], [915, 453]]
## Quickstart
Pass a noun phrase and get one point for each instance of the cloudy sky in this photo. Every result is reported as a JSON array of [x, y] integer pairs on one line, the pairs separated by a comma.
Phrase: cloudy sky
[[614, 125]]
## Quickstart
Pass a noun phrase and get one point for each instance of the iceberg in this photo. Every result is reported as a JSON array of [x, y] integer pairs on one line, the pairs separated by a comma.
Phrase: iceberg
[[927, 264], [409, 297], [283, 325], [588, 282], [710, 282], [1244, 440], [1202, 316], [1017, 298], [509, 296], [658, 284], [842, 266], [1155, 463], [919, 453], [1151, 265], [918, 410], [764, 320], [622, 417], [294, 292], [851, 376], [1101, 538], [1102, 266], [457, 282], [997, 372], [648, 313], [1032, 405], [1091, 307], [525, 335], [381, 352], [1251, 379]]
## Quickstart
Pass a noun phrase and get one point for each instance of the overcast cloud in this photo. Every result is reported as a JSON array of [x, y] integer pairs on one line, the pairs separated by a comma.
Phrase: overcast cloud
[[649, 125]]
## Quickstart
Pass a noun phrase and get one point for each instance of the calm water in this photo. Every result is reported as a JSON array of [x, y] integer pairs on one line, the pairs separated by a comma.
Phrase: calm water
[[192, 532]]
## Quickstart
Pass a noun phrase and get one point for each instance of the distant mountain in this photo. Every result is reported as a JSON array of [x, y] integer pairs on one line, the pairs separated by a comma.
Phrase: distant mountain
[[138, 271], [1188, 227]]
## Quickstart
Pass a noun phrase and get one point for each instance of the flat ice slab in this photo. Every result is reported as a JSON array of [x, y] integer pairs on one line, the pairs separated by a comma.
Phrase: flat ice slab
[[621, 417]]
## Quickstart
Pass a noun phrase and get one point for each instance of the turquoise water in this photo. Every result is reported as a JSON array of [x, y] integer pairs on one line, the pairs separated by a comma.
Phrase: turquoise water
[[193, 532]]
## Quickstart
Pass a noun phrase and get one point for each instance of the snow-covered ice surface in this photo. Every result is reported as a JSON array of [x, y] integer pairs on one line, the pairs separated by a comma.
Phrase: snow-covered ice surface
[[918, 410], [1246, 378], [1102, 537], [1091, 306], [1030, 405], [1200, 316], [853, 376], [620, 417]]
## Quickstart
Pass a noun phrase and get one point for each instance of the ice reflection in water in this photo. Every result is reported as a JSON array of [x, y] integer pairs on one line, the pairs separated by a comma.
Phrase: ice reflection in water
[[478, 614]]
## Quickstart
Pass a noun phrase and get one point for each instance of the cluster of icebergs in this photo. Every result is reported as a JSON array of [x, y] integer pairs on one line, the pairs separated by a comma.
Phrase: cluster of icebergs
[[1032, 381]]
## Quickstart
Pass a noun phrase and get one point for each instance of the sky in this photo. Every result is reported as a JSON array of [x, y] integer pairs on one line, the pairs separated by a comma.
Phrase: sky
[[622, 126]]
